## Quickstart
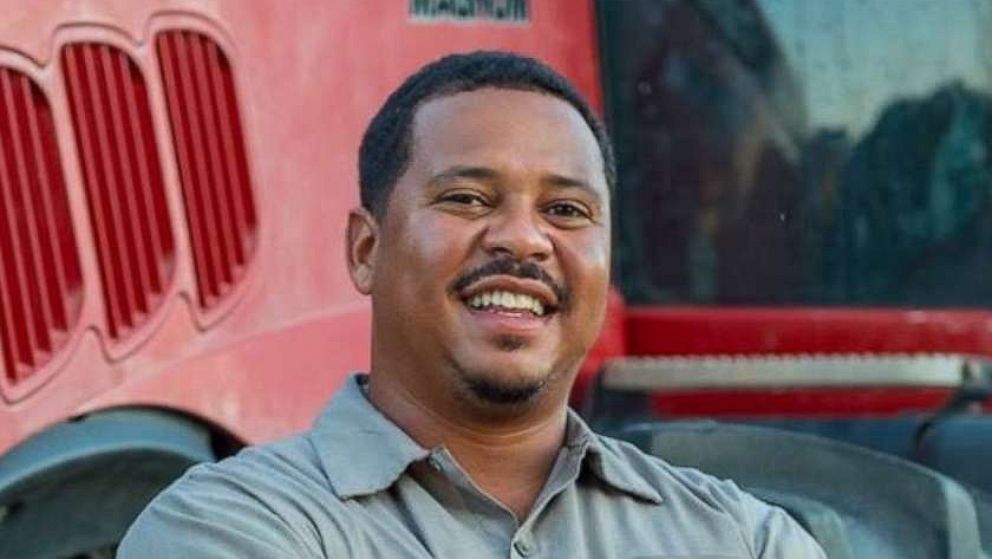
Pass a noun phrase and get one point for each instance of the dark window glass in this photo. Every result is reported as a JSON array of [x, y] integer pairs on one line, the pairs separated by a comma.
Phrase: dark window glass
[[797, 152]]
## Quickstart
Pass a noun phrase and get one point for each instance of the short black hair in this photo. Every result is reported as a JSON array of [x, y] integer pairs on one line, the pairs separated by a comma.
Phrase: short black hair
[[385, 150]]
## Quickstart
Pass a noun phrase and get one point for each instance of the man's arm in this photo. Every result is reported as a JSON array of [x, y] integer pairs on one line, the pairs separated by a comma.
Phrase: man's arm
[[769, 531], [777, 535], [210, 513], [270, 501]]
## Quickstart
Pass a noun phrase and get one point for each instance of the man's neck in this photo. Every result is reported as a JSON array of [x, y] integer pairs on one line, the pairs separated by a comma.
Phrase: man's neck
[[509, 460]]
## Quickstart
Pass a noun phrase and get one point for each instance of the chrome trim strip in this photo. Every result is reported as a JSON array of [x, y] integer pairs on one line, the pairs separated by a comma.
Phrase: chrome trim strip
[[673, 373]]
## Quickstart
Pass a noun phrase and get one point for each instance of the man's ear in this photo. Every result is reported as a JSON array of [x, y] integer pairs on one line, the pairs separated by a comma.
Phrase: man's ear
[[362, 243]]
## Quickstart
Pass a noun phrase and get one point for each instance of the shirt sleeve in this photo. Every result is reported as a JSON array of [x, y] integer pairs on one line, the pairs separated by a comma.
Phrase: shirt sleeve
[[778, 536], [196, 518], [770, 532], [210, 513]]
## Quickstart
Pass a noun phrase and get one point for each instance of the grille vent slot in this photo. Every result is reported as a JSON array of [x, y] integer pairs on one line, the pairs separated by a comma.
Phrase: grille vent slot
[[213, 169], [40, 278], [110, 113]]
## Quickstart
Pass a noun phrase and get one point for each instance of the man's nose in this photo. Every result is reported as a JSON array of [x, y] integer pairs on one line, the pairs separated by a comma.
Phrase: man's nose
[[519, 232]]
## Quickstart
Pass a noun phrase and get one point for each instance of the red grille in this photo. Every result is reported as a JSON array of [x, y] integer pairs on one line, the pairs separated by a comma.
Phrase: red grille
[[40, 279], [206, 129], [114, 134]]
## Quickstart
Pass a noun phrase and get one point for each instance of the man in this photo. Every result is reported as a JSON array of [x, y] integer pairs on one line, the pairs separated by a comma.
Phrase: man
[[484, 242]]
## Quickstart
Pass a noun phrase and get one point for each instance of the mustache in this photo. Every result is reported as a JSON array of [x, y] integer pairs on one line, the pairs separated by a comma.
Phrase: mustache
[[507, 266]]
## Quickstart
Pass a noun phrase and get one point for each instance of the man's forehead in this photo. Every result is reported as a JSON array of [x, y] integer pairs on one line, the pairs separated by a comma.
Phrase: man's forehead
[[452, 129]]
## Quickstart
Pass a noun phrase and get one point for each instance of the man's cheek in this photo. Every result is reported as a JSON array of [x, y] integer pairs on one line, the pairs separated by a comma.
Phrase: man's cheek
[[590, 264]]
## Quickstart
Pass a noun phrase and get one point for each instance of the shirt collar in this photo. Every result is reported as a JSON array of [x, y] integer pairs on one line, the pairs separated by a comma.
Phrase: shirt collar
[[363, 452], [606, 462]]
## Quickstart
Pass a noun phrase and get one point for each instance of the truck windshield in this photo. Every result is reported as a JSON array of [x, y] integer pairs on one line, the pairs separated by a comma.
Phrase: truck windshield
[[787, 152]]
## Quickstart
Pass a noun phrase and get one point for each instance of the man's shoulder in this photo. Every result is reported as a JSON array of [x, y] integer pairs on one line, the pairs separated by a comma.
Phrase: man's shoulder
[[671, 481], [267, 499], [767, 530], [288, 469], [293, 457]]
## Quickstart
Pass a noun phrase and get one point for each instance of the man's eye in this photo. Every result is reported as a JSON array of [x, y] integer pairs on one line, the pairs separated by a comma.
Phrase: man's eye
[[568, 210], [464, 198]]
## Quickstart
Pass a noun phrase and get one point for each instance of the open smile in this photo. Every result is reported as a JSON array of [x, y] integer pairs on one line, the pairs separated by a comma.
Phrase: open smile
[[510, 305], [511, 296], [506, 302]]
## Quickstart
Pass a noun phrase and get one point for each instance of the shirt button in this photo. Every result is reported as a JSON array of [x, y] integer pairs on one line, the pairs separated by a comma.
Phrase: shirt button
[[523, 547], [435, 463]]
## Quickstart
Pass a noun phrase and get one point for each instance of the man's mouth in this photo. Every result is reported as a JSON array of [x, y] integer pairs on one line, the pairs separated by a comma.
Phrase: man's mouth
[[506, 302], [511, 289]]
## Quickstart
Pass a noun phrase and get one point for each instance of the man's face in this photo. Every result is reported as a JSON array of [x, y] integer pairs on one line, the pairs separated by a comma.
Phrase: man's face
[[491, 268]]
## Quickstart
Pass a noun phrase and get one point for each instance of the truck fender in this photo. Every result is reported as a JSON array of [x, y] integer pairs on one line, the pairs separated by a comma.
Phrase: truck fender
[[74, 488]]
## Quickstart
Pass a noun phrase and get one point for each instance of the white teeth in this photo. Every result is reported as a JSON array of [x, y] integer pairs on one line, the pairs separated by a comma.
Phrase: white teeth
[[507, 300]]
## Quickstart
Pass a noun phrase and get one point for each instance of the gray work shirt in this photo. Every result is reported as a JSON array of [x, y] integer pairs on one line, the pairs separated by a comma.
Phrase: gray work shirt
[[357, 486]]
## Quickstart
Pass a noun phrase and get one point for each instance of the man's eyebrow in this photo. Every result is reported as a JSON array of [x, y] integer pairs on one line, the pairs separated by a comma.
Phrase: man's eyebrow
[[465, 172], [562, 181], [567, 182], [489, 174]]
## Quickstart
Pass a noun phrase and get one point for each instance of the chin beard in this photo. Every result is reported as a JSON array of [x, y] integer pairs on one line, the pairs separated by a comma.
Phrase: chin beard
[[502, 392], [491, 389]]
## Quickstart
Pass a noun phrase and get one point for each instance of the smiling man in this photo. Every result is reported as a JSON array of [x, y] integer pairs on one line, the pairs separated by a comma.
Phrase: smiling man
[[484, 242]]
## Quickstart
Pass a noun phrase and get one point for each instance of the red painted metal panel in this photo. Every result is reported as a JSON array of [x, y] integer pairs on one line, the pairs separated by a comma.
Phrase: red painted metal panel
[[716, 331], [687, 330], [122, 174], [32, 321], [206, 129], [39, 268], [296, 88], [136, 269]]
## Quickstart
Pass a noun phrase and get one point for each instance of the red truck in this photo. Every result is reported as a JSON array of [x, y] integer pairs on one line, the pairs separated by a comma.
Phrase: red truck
[[802, 244]]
